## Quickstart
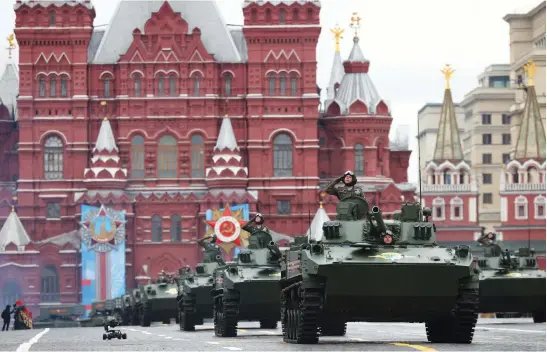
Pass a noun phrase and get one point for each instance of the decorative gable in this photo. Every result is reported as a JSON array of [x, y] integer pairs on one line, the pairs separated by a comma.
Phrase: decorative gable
[[166, 21]]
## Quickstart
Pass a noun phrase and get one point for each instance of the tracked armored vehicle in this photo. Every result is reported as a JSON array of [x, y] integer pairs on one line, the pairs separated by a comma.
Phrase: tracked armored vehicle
[[135, 306], [248, 290], [510, 283], [365, 268], [159, 301], [122, 309], [97, 315], [62, 316]]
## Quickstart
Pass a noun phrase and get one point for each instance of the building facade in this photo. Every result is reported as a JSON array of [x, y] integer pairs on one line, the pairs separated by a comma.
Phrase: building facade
[[168, 113], [487, 139]]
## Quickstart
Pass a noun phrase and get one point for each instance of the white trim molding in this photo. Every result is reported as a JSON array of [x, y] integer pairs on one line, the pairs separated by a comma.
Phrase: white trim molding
[[438, 203], [456, 202], [539, 201], [521, 201]]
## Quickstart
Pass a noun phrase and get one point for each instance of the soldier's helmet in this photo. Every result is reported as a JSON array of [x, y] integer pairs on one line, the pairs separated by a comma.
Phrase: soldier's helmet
[[353, 178], [260, 218]]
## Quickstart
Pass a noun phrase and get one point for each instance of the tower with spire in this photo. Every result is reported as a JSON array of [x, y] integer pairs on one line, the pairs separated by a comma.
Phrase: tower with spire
[[522, 186], [448, 185]]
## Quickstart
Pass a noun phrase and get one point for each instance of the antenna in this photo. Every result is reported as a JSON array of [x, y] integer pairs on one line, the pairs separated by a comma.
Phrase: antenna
[[419, 164], [309, 220]]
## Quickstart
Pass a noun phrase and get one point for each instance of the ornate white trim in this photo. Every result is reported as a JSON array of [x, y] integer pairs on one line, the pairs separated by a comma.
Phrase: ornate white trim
[[438, 203], [456, 202], [521, 201], [539, 201]]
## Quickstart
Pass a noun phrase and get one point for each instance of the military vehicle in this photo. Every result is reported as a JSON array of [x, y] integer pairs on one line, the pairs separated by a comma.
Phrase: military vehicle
[[510, 283], [248, 289], [97, 315], [365, 268], [135, 305], [122, 309], [62, 316], [159, 301], [194, 288]]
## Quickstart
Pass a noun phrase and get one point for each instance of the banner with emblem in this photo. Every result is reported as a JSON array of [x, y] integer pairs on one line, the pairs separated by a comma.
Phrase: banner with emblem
[[226, 224], [103, 254]]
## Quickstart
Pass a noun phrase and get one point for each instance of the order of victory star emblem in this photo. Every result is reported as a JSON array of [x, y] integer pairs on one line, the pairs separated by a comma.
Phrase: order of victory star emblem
[[227, 227], [102, 229]]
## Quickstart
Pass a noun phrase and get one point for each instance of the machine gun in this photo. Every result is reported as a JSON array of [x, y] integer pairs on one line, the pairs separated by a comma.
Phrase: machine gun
[[380, 231], [220, 261], [506, 262], [274, 250], [111, 322]]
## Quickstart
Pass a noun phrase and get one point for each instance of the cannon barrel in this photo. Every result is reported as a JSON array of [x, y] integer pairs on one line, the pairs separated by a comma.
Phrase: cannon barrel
[[219, 260], [377, 215], [274, 249]]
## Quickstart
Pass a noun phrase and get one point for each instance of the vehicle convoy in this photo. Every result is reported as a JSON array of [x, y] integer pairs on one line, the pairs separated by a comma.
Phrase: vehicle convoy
[[97, 315], [248, 289], [122, 309], [365, 268], [159, 300], [61, 316], [510, 283], [194, 288]]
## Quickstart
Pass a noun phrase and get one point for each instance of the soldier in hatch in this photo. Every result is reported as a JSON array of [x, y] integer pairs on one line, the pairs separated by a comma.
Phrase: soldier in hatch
[[255, 224], [489, 240], [211, 248], [348, 188]]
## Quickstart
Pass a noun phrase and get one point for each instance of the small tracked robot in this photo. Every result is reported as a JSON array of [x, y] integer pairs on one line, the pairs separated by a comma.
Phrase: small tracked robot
[[111, 322]]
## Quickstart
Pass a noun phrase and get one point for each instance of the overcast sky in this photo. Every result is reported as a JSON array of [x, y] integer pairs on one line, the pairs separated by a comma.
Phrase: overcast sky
[[407, 43]]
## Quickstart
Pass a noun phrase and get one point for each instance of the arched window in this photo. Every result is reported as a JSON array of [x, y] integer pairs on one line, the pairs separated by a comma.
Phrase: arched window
[[438, 209], [447, 177], [196, 85], [172, 85], [456, 209], [283, 84], [359, 154], [282, 16], [64, 88], [161, 85], [176, 228], [167, 157], [295, 14], [294, 81], [11, 293], [228, 85], [268, 15], [282, 155], [137, 157], [515, 175], [42, 86], [271, 84], [198, 157], [539, 207], [52, 86], [532, 175], [49, 284], [462, 177], [137, 85], [521, 208], [53, 158], [310, 14], [157, 232], [107, 87], [51, 18]]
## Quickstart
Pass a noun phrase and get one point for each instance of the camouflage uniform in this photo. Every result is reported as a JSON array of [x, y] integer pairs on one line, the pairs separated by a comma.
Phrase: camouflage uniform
[[489, 240], [211, 249], [345, 190]]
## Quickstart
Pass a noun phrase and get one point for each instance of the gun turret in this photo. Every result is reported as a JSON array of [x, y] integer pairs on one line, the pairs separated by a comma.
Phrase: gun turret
[[274, 250], [219, 260], [376, 214]]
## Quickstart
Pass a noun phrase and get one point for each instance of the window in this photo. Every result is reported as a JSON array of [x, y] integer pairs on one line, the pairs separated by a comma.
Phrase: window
[[359, 154], [282, 156], [42, 86], [487, 158], [11, 292], [462, 177], [539, 205], [167, 157], [294, 81], [505, 119], [228, 85], [295, 15], [282, 16], [176, 228], [172, 85], [487, 198], [53, 211], [268, 15], [161, 85], [438, 209], [506, 157], [52, 86], [137, 157], [282, 84], [157, 232], [486, 179], [487, 138], [310, 14], [196, 85], [506, 138], [137, 85], [456, 209], [107, 88], [447, 177], [253, 15], [521, 208], [272, 84], [51, 18], [283, 207], [515, 176], [49, 285], [521, 211], [486, 119], [64, 91], [53, 158], [198, 156]]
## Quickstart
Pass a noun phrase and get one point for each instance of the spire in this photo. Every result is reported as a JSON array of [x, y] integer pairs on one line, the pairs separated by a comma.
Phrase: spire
[[336, 76], [228, 170], [9, 84], [448, 144], [355, 24], [13, 231], [531, 135], [316, 228], [105, 140]]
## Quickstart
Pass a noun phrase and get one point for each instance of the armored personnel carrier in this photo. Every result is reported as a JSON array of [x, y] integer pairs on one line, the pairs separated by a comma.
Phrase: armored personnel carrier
[[135, 306], [368, 269], [62, 316], [97, 315], [248, 290], [510, 283], [122, 309], [194, 288], [159, 301]]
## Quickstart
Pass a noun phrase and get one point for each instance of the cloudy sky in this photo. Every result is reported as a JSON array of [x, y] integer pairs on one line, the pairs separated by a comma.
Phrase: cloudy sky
[[407, 42]]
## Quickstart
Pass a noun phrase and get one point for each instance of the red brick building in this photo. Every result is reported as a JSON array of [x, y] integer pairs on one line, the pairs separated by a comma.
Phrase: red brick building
[[449, 188], [169, 72]]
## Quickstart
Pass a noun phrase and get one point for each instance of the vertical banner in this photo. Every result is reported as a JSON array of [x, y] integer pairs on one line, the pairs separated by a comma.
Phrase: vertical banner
[[103, 254], [226, 224]]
